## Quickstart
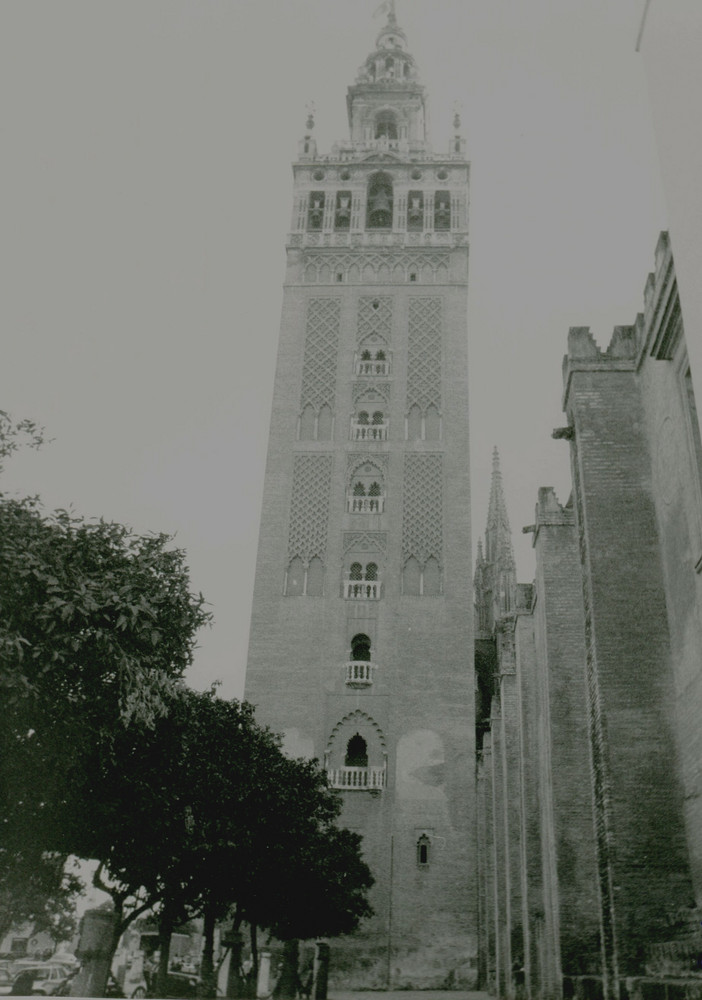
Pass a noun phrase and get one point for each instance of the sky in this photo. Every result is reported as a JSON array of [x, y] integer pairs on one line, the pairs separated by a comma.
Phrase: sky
[[145, 198]]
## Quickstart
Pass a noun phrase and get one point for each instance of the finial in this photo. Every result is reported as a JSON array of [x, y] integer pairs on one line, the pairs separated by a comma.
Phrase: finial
[[495, 460], [310, 109], [387, 7], [457, 115]]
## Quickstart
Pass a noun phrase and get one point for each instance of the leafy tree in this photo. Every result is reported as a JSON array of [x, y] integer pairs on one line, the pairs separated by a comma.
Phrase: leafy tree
[[97, 626], [203, 813]]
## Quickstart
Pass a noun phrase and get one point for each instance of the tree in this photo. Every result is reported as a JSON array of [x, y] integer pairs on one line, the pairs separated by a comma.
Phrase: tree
[[97, 626], [202, 813]]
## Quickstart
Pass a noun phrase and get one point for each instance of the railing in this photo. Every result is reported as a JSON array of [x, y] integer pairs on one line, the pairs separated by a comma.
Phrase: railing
[[362, 590], [369, 432], [359, 673], [365, 505], [356, 778], [372, 367]]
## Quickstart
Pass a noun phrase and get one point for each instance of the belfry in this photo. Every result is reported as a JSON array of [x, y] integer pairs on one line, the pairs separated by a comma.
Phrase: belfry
[[361, 643]]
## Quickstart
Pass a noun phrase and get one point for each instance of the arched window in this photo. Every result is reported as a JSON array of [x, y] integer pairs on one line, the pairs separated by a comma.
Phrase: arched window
[[379, 355], [374, 490], [411, 576], [386, 122], [442, 210], [307, 423], [414, 423], [360, 647], [359, 490], [378, 417], [356, 752], [423, 851], [432, 424], [315, 212], [295, 579], [342, 213], [363, 417], [324, 424], [379, 215], [432, 578], [372, 571], [356, 571], [365, 355], [415, 210], [315, 578]]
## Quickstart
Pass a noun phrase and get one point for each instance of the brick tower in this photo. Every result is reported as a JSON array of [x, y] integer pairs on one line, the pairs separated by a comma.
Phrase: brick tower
[[361, 640]]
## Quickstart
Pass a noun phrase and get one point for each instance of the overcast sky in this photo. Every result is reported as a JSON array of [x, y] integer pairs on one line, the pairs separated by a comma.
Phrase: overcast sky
[[146, 192]]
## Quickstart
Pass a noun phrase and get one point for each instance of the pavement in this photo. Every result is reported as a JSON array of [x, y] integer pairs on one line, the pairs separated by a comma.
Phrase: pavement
[[408, 994]]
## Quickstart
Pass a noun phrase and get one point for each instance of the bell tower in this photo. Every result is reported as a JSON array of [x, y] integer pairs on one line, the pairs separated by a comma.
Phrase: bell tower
[[361, 642]]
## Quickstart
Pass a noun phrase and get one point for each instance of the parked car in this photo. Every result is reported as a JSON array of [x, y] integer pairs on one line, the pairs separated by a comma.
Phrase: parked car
[[41, 979], [5, 979]]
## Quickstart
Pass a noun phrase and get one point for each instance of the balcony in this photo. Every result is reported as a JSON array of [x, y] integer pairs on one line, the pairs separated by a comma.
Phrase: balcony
[[359, 673], [369, 432], [365, 505], [362, 590], [357, 779], [372, 368]]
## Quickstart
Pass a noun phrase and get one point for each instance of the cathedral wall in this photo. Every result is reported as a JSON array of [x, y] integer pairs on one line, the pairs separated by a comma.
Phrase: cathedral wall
[[568, 821], [641, 843], [676, 470]]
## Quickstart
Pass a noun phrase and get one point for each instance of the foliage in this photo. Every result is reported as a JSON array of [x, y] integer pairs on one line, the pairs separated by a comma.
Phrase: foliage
[[203, 812], [97, 626], [13, 435], [34, 886]]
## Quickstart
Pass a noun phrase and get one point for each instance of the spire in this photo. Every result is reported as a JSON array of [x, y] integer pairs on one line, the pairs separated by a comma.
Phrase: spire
[[499, 576], [499, 534]]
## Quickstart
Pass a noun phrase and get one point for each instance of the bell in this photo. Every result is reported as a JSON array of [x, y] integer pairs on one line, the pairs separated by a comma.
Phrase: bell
[[380, 202]]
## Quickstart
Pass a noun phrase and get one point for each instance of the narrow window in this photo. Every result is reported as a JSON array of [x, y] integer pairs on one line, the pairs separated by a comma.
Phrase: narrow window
[[315, 578], [442, 210], [356, 572], [295, 580], [342, 213], [372, 571], [315, 213], [360, 648], [356, 752], [423, 851]]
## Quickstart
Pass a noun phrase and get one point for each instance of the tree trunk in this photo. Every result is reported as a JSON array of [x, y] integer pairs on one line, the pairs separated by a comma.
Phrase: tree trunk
[[165, 933], [253, 931], [321, 971], [236, 987], [99, 936], [207, 970], [288, 981]]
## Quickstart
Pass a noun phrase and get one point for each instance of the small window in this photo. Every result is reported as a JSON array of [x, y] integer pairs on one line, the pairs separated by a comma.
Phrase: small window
[[442, 210], [378, 417], [423, 851], [372, 571], [415, 210], [315, 212], [356, 571], [413, 275], [360, 648], [339, 276], [356, 752], [342, 214]]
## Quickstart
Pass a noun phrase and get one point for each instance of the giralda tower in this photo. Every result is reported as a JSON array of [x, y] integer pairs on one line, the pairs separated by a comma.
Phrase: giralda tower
[[361, 644]]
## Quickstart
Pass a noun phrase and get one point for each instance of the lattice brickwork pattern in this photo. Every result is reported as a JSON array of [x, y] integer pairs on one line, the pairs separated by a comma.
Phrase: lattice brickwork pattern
[[365, 541], [422, 508], [321, 353], [309, 508], [424, 353], [374, 322]]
